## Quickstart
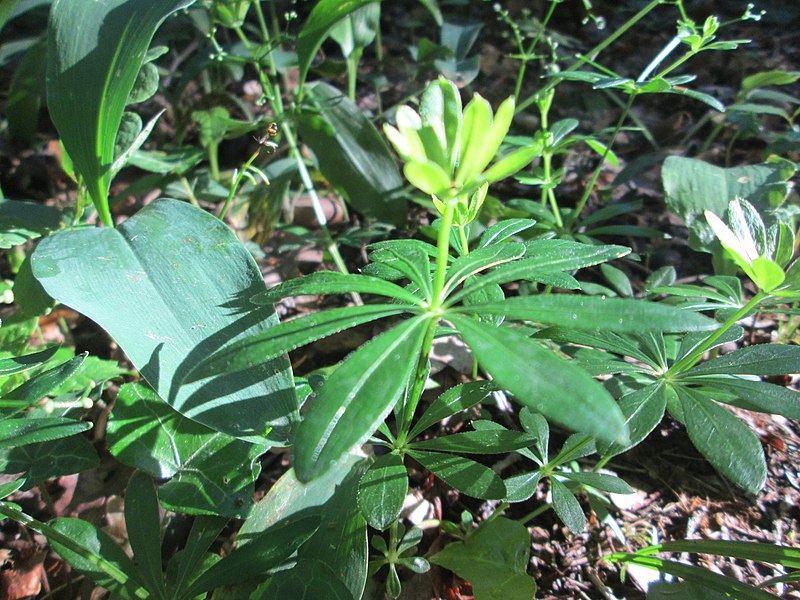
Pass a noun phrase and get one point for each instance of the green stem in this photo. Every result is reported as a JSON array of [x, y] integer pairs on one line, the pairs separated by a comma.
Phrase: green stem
[[535, 513], [237, 180], [213, 159], [352, 73], [442, 259], [526, 56], [52, 534], [594, 52], [595, 176], [688, 361]]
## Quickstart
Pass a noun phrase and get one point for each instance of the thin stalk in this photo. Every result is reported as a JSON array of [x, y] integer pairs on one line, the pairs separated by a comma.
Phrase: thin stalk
[[294, 151], [535, 513], [688, 361], [442, 258], [237, 180], [352, 73], [526, 56], [50, 533], [595, 176], [594, 52]]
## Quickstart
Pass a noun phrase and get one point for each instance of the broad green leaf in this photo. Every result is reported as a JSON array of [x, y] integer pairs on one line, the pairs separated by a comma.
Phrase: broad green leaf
[[90, 76], [693, 186], [456, 399], [143, 524], [643, 410], [480, 260], [567, 506], [306, 580], [540, 379], [269, 549], [477, 442], [753, 395], [382, 490], [493, 559], [334, 282], [601, 481], [99, 557], [172, 285], [763, 359], [45, 383], [341, 540], [255, 350], [325, 15], [356, 398], [46, 460], [207, 472], [21, 221], [18, 432], [358, 30], [467, 476], [351, 153], [619, 315], [724, 440]]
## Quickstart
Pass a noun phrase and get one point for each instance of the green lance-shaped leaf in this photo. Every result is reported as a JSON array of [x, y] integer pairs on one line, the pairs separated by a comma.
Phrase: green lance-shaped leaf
[[593, 313], [172, 285], [567, 506], [467, 476], [334, 282], [724, 440], [545, 382], [382, 490], [20, 364], [268, 550], [356, 398], [764, 359], [351, 154], [284, 337], [456, 399], [643, 410], [143, 523], [90, 77], [477, 442], [753, 395], [18, 432], [92, 552], [45, 383]]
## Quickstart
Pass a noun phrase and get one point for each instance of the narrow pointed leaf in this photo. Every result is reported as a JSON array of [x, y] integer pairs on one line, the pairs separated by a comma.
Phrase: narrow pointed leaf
[[20, 364], [90, 77], [765, 359], [382, 490], [643, 410], [356, 398], [505, 229], [334, 282], [480, 260], [754, 395], [47, 382], [280, 339], [477, 442], [143, 524], [467, 476], [724, 440], [567, 506], [454, 400], [18, 432], [93, 553], [594, 313], [545, 382]]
